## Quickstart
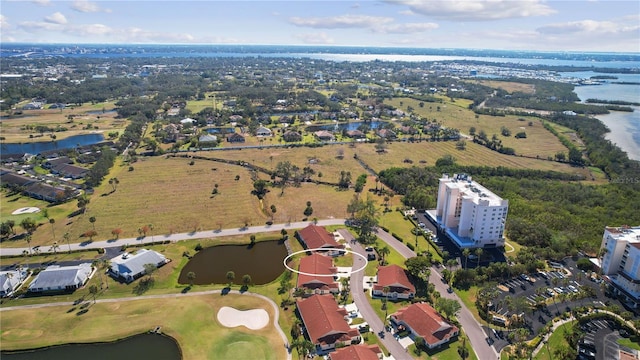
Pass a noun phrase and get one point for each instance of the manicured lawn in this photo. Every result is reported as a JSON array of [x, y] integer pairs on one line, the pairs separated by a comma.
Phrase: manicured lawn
[[191, 321], [556, 341], [449, 352], [629, 343]]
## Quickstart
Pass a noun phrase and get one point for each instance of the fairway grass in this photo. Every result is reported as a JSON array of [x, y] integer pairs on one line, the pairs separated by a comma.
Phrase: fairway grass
[[190, 320]]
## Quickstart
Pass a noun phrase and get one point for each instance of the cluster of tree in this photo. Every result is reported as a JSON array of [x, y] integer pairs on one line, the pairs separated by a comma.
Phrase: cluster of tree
[[364, 218], [494, 143], [600, 151], [101, 168]]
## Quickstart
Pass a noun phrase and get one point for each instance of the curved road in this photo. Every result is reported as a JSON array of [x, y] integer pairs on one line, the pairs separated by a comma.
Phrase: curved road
[[166, 296]]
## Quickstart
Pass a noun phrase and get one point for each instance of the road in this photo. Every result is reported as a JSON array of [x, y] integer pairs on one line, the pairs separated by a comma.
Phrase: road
[[366, 310], [275, 307], [471, 327], [4, 251]]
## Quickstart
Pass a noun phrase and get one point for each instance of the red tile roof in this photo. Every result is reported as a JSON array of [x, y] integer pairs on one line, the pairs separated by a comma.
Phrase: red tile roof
[[356, 352], [316, 237], [395, 278], [319, 265], [324, 320], [426, 322]]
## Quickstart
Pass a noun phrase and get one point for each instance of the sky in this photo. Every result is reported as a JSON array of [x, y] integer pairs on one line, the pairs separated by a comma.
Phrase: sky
[[570, 25]]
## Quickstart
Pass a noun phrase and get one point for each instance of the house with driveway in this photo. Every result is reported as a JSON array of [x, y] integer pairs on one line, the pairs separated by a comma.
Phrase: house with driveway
[[394, 279], [422, 320], [326, 323], [129, 267], [56, 278], [317, 275], [317, 237]]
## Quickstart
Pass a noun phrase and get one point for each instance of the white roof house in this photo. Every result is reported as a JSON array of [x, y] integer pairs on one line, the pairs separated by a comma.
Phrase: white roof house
[[129, 267], [188, 120], [61, 278], [263, 131], [10, 281]]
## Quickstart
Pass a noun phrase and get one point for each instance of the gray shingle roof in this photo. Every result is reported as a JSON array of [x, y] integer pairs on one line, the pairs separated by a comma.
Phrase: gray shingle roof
[[60, 277], [131, 265]]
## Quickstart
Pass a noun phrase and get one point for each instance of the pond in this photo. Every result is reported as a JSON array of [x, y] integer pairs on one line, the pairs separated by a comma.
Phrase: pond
[[263, 262], [220, 130], [143, 346], [37, 147], [348, 126], [100, 112]]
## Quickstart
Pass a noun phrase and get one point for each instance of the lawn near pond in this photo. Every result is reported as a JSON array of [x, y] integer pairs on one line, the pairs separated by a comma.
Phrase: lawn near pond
[[190, 320]]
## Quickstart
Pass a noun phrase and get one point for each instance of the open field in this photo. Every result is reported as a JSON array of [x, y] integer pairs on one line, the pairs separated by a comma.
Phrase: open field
[[508, 86], [191, 321], [539, 141], [13, 129]]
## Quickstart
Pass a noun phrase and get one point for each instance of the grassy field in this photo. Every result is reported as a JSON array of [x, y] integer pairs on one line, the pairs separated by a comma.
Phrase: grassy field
[[15, 129], [508, 86], [539, 141], [191, 321]]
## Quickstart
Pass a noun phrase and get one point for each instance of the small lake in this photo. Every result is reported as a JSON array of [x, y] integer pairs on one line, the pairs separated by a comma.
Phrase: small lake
[[37, 147], [348, 126], [143, 346], [100, 112], [263, 262]]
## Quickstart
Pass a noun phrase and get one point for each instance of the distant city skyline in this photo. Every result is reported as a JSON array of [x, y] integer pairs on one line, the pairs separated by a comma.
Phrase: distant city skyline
[[578, 25]]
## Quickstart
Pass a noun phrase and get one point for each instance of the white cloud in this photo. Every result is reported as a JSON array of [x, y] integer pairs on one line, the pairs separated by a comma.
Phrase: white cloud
[[341, 22], [56, 18], [585, 27], [34, 26], [316, 38], [42, 2], [85, 6], [476, 10], [4, 24], [409, 28]]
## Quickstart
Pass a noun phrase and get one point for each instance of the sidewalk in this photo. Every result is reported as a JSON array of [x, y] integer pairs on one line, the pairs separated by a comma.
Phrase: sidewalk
[[176, 237]]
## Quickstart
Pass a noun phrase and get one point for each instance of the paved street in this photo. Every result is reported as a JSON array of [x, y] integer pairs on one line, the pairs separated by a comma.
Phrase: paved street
[[360, 299]]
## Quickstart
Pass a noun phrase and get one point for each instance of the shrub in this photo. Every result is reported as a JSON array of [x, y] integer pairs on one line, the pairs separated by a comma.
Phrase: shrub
[[410, 246], [198, 247]]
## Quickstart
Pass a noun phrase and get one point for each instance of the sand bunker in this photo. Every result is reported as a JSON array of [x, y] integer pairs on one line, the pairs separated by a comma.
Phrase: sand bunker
[[26, 210], [253, 319]]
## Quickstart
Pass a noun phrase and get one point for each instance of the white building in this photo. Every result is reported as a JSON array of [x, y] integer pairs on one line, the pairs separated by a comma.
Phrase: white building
[[471, 215], [621, 261], [129, 267]]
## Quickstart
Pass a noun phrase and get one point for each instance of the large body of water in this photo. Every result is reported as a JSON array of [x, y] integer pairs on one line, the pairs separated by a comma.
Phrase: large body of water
[[39, 146], [624, 126]]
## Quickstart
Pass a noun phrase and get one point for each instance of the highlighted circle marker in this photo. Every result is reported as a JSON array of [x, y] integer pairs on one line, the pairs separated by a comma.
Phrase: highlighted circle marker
[[324, 249]]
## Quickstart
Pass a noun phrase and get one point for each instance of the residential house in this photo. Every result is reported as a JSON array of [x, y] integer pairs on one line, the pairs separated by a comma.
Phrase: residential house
[[61, 278], [208, 140], [64, 167], [324, 135], [36, 189], [316, 237], [172, 132], [34, 105], [317, 274], [291, 136], [10, 281], [129, 267], [357, 352], [409, 130], [386, 134], [355, 134], [263, 131], [421, 320], [326, 323], [396, 280], [235, 138], [188, 121]]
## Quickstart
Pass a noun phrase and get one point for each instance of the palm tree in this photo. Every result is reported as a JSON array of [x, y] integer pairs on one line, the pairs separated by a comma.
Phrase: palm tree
[[92, 220], [466, 253], [478, 253], [28, 240], [55, 247], [67, 237], [93, 290], [230, 277], [52, 221], [386, 290], [384, 251]]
